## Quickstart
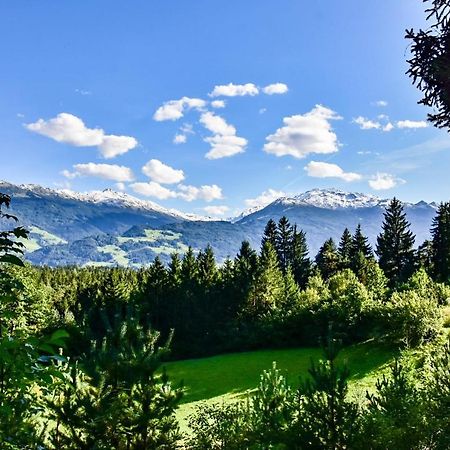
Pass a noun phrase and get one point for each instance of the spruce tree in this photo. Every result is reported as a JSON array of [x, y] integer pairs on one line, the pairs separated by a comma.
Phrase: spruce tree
[[345, 249], [270, 234], [301, 264], [284, 243], [441, 243], [207, 268], [360, 243], [327, 259], [268, 287], [395, 244]]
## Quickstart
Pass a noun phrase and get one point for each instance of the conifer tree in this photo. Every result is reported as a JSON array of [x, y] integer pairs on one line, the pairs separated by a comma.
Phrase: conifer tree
[[270, 234], [189, 267], [267, 289], [360, 243], [441, 243], [301, 264], [395, 244], [284, 243], [327, 259], [207, 269], [345, 249]]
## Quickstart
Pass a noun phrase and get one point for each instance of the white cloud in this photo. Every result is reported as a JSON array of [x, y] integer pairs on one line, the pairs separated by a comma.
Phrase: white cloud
[[216, 124], [120, 186], [152, 189], [162, 173], [366, 124], [83, 92], [218, 103], [206, 193], [179, 139], [262, 110], [381, 103], [265, 198], [234, 90], [105, 171], [304, 134], [187, 129], [326, 170], [275, 88], [70, 129], [175, 109], [382, 181], [216, 210], [112, 146], [388, 127], [411, 124], [224, 143]]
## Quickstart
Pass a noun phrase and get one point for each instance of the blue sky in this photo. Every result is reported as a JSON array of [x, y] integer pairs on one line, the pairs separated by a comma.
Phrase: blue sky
[[318, 98]]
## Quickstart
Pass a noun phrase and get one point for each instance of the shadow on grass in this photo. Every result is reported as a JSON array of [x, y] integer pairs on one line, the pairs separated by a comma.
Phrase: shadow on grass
[[237, 373]]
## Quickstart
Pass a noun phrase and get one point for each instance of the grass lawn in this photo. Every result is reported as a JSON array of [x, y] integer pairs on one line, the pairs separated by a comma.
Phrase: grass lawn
[[237, 372], [229, 377]]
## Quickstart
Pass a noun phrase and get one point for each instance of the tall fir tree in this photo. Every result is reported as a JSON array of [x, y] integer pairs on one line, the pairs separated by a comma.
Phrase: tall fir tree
[[301, 264], [395, 244], [270, 234], [345, 249], [440, 232], [327, 259], [268, 287], [360, 243], [284, 243]]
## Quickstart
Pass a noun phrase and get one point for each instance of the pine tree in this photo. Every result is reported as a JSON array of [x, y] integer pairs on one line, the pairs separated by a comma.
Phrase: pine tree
[[189, 267], [441, 243], [327, 259], [207, 268], [301, 264], [345, 249], [395, 244], [270, 234], [284, 243], [267, 289], [360, 244]]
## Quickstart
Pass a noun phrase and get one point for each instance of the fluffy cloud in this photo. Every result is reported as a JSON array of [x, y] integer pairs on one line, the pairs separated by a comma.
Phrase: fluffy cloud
[[275, 88], [179, 139], [175, 109], [411, 124], [388, 127], [120, 186], [382, 181], [381, 103], [303, 134], [70, 129], [105, 171], [326, 170], [265, 198], [162, 173], [216, 210], [152, 189], [224, 143], [234, 90], [207, 193], [218, 103], [366, 124]]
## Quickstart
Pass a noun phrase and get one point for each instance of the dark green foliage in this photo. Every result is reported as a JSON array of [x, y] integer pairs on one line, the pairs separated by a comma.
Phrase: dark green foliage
[[345, 249], [284, 238], [301, 264], [360, 244], [270, 234], [440, 232], [327, 259], [429, 66], [395, 244]]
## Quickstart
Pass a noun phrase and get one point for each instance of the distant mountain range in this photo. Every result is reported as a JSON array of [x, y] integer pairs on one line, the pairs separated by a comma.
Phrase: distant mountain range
[[113, 228]]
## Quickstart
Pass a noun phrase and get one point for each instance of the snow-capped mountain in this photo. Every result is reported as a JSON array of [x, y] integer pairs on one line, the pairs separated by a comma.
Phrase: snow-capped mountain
[[110, 228]]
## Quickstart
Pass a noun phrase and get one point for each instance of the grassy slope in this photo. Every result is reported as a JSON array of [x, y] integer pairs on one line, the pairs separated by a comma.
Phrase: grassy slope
[[227, 377]]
